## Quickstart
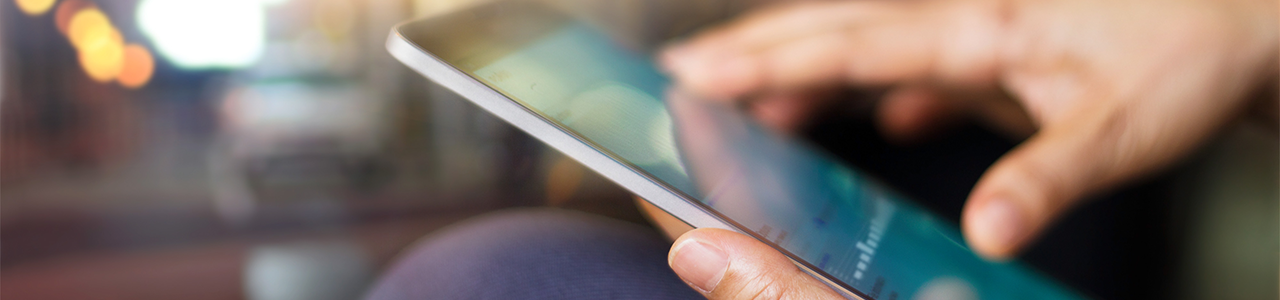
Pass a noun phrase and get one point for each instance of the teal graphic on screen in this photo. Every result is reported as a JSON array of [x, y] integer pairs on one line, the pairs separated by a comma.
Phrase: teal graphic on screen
[[840, 222]]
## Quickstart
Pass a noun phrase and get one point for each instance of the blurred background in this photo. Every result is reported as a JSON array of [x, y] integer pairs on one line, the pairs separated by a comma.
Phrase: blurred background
[[271, 149]]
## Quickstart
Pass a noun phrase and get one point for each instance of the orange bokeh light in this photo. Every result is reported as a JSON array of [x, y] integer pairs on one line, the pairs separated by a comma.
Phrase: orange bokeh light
[[86, 24], [139, 65], [67, 9], [35, 7], [102, 56]]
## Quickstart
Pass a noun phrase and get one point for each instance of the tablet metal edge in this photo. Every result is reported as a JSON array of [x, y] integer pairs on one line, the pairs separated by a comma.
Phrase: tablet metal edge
[[499, 105], [496, 103]]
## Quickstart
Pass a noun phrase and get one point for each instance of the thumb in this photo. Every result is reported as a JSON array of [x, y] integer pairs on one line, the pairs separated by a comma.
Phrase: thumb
[[722, 264]]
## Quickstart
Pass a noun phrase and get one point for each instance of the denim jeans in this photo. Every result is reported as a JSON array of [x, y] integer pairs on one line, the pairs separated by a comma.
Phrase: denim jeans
[[535, 254]]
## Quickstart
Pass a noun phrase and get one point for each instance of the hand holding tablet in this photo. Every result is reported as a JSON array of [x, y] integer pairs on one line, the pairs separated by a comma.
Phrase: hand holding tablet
[[1107, 91], [772, 197]]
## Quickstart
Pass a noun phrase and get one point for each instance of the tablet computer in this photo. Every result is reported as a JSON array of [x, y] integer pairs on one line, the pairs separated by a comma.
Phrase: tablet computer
[[581, 92]]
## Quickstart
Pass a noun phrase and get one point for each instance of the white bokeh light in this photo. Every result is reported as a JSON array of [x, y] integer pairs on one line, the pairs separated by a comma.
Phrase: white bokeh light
[[204, 34]]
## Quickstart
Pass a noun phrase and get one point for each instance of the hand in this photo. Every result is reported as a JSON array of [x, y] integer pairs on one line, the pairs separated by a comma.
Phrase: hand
[[722, 264], [1108, 90]]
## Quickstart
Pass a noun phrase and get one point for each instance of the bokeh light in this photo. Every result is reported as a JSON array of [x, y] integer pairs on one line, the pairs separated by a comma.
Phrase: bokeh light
[[88, 23], [102, 56], [202, 34], [67, 9], [35, 7], [138, 67]]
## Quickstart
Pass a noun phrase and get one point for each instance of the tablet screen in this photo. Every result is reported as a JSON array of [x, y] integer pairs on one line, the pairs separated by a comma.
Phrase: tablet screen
[[838, 222]]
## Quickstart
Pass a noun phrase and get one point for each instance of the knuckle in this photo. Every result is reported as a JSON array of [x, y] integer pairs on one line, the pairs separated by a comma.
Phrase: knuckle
[[1042, 185], [763, 286]]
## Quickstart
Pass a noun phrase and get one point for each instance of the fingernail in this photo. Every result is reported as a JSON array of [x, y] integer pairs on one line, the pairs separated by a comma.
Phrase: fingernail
[[700, 264], [999, 224]]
